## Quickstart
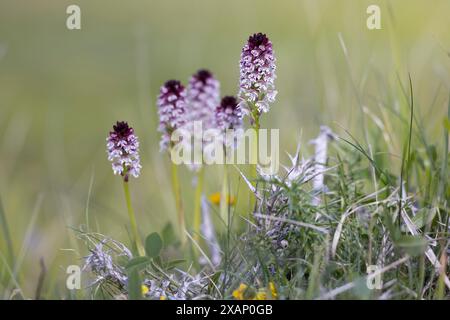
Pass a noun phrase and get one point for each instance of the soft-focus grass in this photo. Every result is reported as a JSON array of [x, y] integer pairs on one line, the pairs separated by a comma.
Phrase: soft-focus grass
[[60, 92]]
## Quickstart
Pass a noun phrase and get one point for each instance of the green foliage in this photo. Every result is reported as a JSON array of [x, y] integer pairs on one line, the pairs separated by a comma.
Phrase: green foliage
[[389, 163], [134, 285], [138, 263], [153, 245]]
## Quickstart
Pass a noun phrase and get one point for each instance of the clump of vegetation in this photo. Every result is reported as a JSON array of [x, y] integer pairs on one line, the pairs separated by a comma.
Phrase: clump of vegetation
[[351, 220], [339, 224]]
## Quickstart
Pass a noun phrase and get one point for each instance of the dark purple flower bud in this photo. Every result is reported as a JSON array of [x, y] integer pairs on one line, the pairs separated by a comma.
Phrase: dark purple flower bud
[[203, 96], [172, 110], [123, 150], [228, 114], [257, 75]]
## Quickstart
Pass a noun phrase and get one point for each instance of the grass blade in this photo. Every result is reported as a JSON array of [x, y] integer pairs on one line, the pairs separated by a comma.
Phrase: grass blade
[[6, 234]]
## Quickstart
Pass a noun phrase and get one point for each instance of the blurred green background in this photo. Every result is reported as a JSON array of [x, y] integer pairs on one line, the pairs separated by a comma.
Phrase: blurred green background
[[61, 91]]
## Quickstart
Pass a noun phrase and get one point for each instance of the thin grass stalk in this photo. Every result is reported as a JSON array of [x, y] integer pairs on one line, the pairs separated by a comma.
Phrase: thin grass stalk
[[440, 286], [178, 203], [6, 234], [198, 205], [253, 168], [224, 196], [134, 230]]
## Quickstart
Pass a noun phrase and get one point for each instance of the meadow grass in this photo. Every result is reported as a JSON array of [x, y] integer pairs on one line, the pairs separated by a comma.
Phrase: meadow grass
[[384, 94]]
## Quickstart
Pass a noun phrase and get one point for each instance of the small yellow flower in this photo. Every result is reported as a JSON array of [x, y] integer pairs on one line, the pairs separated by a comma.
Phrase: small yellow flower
[[273, 290], [238, 294], [244, 293], [144, 289], [215, 199], [261, 295], [162, 298]]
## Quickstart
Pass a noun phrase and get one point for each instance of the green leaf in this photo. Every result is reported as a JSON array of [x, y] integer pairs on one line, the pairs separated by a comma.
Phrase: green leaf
[[214, 279], [174, 263], [137, 263], [447, 124], [412, 245], [6, 234], [134, 285], [432, 152], [158, 262], [422, 218], [392, 227], [153, 245], [168, 235], [361, 289]]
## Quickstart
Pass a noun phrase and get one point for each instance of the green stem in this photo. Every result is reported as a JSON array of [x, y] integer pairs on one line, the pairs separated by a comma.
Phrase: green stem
[[254, 170], [6, 234], [224, 196], [178, 203], [198, 205], [136, 239]]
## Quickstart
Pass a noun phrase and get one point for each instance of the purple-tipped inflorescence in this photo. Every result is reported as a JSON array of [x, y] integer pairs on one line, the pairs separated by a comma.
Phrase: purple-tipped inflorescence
[[172, 110], [257, 75], [123, 150], [203, 95], [228, 114]]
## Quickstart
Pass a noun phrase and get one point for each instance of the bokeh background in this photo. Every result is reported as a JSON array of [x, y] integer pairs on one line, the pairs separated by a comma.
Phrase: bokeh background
[[61, 91]]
